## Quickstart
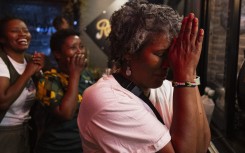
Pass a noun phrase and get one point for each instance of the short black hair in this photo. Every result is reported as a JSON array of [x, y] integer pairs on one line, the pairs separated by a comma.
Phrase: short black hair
[[58, 21], [58, 38], [4, 21]]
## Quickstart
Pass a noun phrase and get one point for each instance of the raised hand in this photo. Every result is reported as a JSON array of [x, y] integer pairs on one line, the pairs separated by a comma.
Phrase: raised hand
[[39, 59], [77, 63]]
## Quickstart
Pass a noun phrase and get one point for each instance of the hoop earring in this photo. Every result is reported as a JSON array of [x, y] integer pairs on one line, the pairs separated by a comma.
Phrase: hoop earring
[[128, 71]]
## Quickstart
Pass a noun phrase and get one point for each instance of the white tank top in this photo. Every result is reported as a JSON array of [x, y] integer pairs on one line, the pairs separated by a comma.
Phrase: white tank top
[[19, 110]]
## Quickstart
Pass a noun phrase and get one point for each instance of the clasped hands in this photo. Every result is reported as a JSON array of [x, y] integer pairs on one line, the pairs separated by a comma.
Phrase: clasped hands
[[184, 52], [77, 62]]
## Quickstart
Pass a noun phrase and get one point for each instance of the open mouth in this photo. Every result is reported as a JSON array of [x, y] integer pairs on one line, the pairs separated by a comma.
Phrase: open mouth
[[22, 41]]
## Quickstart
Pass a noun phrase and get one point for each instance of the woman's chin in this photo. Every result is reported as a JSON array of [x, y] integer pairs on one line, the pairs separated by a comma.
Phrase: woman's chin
[[157, 84], [22, 49]]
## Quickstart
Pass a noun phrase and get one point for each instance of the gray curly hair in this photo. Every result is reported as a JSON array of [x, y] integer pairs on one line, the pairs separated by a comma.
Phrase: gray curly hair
[[135, 22]]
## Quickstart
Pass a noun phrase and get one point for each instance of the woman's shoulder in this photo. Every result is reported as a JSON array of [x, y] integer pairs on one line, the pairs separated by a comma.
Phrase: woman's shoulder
[[106, 84], [105, 91], [53, 76], [50, 87], [98, 97], [4, 71], [2, 64]]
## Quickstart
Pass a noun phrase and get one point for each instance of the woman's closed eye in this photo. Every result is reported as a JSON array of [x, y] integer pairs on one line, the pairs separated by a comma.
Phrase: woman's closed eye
[[162, 54]]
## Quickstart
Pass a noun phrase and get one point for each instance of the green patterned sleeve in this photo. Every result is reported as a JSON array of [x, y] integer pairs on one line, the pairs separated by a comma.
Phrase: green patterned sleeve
[[49, 90]]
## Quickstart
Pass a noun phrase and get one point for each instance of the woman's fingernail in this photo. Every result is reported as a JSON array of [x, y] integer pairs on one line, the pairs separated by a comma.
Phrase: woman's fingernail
[[201, 32]]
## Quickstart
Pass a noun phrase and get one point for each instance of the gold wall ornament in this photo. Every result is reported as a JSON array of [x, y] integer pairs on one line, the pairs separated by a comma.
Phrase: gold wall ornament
[[103, 27]]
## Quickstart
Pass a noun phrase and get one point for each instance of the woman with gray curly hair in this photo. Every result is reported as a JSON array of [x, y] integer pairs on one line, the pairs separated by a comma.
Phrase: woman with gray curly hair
[[136, 109]]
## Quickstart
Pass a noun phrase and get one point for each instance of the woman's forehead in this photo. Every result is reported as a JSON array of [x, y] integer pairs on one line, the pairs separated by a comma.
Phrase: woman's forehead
[[15, 22]]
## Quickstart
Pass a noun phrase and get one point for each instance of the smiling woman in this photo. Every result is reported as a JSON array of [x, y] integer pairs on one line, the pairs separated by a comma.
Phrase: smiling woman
[[17, 92], [60, 92]]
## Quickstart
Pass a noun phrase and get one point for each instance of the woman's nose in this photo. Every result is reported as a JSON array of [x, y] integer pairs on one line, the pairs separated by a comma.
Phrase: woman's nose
[[22, 33], [81, 50]]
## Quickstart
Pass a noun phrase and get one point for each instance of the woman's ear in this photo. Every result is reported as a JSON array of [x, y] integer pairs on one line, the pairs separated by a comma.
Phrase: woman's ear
[[127, 57]]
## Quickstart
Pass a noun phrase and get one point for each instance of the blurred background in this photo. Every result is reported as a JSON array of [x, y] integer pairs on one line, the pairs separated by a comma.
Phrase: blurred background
[[221, 67]]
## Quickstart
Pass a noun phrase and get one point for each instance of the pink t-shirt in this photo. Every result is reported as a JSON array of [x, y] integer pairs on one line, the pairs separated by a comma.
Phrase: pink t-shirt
[[112, 119]]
